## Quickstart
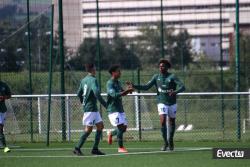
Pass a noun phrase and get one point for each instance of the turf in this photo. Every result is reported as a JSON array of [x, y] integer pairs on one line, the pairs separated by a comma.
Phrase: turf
[[143, 154]]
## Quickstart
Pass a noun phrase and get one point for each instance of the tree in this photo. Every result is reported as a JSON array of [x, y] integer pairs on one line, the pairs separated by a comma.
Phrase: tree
[[245, 61], [115, 50], [11, 46], [14, 47], [149, 46], [182, 55], [123, 54], [87, 53]]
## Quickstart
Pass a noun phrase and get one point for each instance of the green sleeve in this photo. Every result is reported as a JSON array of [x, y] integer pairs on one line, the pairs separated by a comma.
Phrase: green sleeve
[[111, 91], [97, 94], [180, 86], [151, 83], [7, 91], [80, 92]]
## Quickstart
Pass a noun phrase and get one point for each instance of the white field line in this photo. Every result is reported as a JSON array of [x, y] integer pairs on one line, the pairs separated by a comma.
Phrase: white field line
[[107, 155]]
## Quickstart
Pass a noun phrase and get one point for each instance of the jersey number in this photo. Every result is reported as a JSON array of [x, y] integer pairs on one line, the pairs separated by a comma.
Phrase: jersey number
[[85, 89], [163, 110], [117, 120]]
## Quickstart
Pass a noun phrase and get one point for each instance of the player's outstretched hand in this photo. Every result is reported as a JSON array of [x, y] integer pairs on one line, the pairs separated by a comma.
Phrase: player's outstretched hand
[[172, 93], [128, 83]]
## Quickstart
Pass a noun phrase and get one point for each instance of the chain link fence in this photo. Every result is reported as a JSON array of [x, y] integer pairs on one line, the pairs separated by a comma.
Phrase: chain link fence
[[197, 37], [199, 117]]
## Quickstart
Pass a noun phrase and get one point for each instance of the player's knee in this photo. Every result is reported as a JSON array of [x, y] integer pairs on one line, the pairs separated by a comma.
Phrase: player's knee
[[100, 128], [163, 124], [1, 129], [172, 121], [88, 129], [124, 128]]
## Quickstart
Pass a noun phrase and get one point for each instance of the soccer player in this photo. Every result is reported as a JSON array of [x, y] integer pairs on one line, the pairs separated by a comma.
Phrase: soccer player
[[168, 86], [88, 94], [115, 109], [4, 94]]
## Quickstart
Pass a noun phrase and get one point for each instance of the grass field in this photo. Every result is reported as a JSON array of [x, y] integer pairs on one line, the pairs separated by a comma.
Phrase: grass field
[[143, 154]]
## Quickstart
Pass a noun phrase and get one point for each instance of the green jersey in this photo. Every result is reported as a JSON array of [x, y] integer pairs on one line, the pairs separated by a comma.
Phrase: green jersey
[[88, 93], [164, 84], [4, 91], [114, 100]]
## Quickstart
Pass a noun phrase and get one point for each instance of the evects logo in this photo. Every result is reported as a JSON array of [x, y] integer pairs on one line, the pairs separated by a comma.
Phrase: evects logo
[[231, 153]]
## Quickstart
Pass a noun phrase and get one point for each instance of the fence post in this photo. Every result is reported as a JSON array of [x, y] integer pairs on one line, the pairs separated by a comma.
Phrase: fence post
[[139, 103], [237, 67], [30, 76], [68, 117], [39, 114], [185, 112], [62, 57], [249, 104], [137, 112]]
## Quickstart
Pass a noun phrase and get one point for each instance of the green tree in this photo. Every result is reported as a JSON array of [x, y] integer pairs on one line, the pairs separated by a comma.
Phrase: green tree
[[149, 46], [113, 51], [245, 61], [123, 54], [182, 55], [87, 53], [11, 46]]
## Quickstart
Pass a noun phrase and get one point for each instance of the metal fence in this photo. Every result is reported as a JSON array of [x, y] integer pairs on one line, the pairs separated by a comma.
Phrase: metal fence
[[200, 116], [134, 33]]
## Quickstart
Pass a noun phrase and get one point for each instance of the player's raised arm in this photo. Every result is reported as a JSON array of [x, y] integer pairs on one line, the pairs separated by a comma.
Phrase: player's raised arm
[[147, 86]]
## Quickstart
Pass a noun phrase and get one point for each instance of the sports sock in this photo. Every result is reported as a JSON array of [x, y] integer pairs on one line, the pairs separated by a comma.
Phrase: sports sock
[[171, 131], [2, 139], [82, 139], [97, 139], [114, 132], [120, 137], [164, 133]]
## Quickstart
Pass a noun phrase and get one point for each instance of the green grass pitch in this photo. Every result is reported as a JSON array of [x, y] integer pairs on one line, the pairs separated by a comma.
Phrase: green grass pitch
[[141, 154]]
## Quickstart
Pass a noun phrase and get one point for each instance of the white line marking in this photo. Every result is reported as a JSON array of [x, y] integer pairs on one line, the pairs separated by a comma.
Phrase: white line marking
[[107, 155], [72, 148], [101, 148]]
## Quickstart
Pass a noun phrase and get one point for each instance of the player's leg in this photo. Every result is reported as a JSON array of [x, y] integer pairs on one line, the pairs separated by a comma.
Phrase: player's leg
[[121, 130], [162, 111], [122, 127], [88, 122], [83, 138], [163, 118], [171, 133], [113, 120], [172, 117], [113, 133], [2, 136], [99, 128], [119, 120], [110, 135]]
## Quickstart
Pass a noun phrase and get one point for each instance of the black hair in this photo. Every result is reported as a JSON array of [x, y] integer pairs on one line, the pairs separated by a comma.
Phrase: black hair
[[113, 68], [89, 67], [166, 62]]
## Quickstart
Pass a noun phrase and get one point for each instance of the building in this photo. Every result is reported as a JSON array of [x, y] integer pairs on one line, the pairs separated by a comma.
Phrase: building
[[72, 23], [200, 18]]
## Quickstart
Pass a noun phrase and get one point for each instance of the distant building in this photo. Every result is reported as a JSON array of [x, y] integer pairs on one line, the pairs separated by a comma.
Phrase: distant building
[[72, 23], [200, 18]]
